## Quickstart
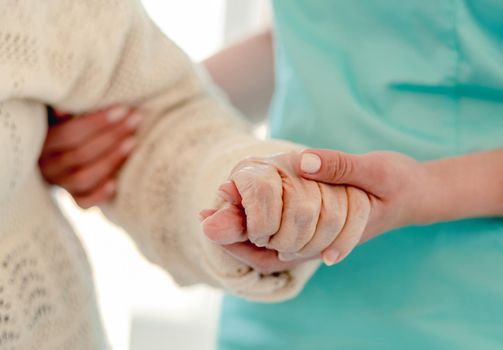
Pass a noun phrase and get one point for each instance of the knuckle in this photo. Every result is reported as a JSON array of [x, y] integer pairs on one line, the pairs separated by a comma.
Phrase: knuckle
[[344, 167], [243, 166], [255, 191], [250, 159], [336, 220], [305, 214], [261, 186], [304, 220], [333, 167], [361, 204], [240, 176]]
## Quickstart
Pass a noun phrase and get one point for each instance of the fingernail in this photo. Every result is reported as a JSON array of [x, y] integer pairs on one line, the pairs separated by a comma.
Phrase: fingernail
[[330, 257], [134, 120], [117, 113], [310, 163], [128, 145]]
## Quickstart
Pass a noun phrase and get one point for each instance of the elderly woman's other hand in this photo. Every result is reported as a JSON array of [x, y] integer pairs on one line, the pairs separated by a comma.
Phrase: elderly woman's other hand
[[83, 154]]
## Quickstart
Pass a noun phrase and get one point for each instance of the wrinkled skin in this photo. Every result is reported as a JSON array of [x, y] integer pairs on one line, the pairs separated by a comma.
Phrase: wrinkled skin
[[268, 204]]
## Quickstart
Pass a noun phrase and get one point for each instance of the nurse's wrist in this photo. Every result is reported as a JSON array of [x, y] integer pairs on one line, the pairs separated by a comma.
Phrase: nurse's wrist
[[418, 203], [467, 186], [433, 199]]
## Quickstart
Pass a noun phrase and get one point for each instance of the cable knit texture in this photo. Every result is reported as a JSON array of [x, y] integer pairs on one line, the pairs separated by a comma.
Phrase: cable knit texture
[[82, 55]]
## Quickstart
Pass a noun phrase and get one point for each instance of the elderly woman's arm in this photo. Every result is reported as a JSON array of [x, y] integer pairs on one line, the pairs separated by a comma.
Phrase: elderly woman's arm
[[83, 55], [94, 146]]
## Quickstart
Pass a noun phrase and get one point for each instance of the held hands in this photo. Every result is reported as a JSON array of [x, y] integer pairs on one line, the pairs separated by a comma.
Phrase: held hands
[[321, 203], [276, 211], [400, 189], [269, 204]]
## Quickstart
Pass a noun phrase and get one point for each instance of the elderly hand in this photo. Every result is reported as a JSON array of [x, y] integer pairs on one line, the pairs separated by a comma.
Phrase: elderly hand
[[84, 154], [267, 203]]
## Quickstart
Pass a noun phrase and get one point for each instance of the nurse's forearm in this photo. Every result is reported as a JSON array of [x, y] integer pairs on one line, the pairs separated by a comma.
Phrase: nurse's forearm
[[467, 186], [245, 71]]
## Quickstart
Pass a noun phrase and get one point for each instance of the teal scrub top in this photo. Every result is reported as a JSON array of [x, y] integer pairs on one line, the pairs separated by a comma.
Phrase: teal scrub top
[[420, 77]]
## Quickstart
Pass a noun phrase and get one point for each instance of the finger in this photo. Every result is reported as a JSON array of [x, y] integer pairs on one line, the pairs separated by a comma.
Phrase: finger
[[350, 236], [333, 167], [226, 225], [70, 134], [203, 214], [263, 260], [53, 166], [61, 116], [229, 192], [301, 211], [260, 187], [102, 194], [87, 179], [334, 205]]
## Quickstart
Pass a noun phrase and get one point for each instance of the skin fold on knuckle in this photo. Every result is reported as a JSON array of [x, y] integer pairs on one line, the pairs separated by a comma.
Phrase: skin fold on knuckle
[[299, 227], [301, 210], [319, 243], [356, 223], [306, 218], [345, 167], [332, 218], [256, 201], [361, 205], [261, 199]]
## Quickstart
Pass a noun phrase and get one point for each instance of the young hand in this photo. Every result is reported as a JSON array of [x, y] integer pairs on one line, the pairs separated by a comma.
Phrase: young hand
[[399, 187], [84, 154]]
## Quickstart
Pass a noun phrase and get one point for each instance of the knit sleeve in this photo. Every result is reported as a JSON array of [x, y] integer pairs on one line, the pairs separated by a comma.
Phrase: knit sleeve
[[84, 55]]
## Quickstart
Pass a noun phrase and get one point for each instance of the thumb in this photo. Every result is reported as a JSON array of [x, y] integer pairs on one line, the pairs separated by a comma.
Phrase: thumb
[[366, 172], [226, 225]]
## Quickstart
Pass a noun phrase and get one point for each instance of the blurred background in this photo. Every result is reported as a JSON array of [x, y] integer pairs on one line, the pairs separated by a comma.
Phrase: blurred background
[[141, 306]]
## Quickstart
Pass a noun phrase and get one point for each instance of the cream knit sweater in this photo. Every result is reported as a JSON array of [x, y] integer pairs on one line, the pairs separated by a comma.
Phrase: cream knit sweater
[[82, 55]]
